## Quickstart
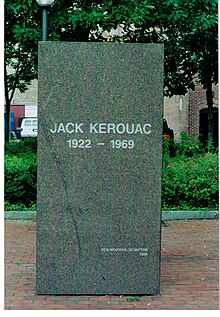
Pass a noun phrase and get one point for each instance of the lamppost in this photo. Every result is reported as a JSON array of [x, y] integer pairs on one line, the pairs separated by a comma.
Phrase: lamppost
[[45, 4]]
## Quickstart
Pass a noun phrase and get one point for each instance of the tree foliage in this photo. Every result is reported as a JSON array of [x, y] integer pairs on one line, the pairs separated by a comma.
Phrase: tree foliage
[[85, 20], [21, 39], [188, 30]]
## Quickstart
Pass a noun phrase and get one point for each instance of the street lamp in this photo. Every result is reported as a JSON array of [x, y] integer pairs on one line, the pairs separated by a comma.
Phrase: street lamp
[[45, 4]]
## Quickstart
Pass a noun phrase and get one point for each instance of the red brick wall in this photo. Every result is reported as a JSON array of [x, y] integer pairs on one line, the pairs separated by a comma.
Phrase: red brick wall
[[182, 112], [18, 113], [197, 102], [176, 114]]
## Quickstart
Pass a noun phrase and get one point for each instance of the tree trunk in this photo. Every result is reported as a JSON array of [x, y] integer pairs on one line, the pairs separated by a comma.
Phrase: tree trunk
[[209, 99], [8, 105], [7, 121]]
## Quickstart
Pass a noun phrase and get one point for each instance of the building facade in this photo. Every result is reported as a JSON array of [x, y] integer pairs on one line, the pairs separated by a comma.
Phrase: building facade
[[189, 113]]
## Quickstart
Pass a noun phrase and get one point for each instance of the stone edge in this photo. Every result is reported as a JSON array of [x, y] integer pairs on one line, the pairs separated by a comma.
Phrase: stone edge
[[166, 215]]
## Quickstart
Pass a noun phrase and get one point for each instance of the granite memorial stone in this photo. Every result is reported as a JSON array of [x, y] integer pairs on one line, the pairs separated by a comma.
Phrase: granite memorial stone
[[99, 168]]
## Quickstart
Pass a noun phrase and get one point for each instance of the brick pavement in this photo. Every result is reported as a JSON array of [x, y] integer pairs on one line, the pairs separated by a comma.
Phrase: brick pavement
[[189, 272]]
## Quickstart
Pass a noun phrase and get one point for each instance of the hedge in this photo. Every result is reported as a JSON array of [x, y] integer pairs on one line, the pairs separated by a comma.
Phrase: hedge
[[20, 175], [188, 182], [191, 183]]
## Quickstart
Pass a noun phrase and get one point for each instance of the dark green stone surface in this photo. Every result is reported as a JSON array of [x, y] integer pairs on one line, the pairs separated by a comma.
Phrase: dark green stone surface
[[99, 206]]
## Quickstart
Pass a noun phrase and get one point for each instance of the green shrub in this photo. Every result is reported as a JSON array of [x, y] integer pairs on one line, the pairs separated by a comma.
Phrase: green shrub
[[191, 183], [189, 147], [20, 179], [19, 206], [28, 146], [190, 180]]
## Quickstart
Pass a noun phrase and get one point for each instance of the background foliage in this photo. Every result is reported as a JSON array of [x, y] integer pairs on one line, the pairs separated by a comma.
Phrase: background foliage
[[190, 176], [191, 183], [188, 29], [20, 175]]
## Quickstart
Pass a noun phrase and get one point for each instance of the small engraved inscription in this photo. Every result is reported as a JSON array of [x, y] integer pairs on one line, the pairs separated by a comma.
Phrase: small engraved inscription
[[141, 251]]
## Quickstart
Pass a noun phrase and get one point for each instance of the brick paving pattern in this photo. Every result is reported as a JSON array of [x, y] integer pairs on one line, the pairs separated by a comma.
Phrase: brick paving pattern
[[189, 272]]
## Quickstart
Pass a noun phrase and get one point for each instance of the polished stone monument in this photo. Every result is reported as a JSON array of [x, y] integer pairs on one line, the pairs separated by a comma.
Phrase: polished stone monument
[[99, 168]]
